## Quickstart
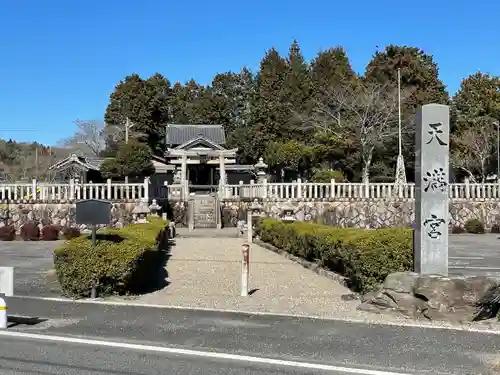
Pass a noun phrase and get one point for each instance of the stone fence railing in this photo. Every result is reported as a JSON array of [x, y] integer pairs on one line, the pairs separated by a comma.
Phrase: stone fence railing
[[334, 190], [56, 192]]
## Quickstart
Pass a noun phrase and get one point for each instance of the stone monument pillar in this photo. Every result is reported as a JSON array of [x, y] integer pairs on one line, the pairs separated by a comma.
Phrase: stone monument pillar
[[431, 189]]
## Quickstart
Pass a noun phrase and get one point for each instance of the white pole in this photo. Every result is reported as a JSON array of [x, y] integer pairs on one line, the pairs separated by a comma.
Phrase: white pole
[[3, 314], [399, 113], [245, 265], [127, 125], [250, 227]]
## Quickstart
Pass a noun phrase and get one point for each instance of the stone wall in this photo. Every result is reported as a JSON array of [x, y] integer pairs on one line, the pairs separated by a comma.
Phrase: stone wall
[[58, 213], [365, 213]]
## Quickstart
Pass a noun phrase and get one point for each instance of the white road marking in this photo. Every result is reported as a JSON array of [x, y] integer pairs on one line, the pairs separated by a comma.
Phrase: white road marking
[[466, 258], [405, 323], [198, 353], [475, 268]]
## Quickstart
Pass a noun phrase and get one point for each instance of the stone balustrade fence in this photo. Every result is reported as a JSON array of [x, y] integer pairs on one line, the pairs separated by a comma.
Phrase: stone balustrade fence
[[117, 192]]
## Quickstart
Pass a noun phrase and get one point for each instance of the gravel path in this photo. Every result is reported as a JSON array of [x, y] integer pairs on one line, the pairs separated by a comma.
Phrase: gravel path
[[206, 272]]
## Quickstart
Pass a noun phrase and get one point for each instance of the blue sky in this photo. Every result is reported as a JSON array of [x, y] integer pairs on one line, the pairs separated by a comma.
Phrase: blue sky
[[60, 59]]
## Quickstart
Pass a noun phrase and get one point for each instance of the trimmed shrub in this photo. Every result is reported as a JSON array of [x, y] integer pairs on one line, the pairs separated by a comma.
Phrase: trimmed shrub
[[365, 256], [50, 233], [69, 233], [457, 230], [495, 228], [326, 175], [125, 261], [474, 226], [30, 231], [7, 233]]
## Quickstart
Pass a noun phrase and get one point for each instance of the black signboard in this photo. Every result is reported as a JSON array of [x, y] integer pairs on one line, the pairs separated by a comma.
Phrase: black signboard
[[93, 212]]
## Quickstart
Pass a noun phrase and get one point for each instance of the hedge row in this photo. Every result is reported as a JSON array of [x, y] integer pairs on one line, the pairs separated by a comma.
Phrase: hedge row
[[364, 256], [124, 261]]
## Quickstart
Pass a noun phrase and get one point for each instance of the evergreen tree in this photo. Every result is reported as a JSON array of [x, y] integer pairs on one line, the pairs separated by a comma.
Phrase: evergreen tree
[[477, 108], [133, 159], [235, 90], [296, 92], [269, 116], [420, 84], [146, 103], [330, 69]]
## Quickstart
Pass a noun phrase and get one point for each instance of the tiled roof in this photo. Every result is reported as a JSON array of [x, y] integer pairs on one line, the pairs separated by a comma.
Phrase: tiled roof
[[96, 162], [178, 134]]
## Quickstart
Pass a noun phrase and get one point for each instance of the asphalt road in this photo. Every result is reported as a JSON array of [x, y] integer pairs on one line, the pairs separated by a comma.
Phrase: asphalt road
[[361, 346], [31, 262], [30, 357], [474, 254]]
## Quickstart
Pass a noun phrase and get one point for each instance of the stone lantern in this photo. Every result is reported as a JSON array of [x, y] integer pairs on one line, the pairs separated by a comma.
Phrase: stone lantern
[[256, 208], [288, 213], [254, 212], [154, 208], [260, 168], [141, 211]]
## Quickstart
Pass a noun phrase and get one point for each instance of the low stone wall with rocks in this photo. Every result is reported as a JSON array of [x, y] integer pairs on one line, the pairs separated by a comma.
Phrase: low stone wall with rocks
[[63, 214], [364, 213], [433, 297]]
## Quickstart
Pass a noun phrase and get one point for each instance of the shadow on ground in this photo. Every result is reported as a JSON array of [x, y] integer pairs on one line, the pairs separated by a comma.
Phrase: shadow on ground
[[154, 266], [16, 321]]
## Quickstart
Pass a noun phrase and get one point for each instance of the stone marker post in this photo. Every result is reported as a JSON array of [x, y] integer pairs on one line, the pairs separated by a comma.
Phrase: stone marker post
[[430, 248], [249, 226], [245, 269]]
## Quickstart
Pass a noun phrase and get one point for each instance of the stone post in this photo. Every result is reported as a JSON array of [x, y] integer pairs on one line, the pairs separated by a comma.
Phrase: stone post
[[71, 189], [190, 212], [33, 190], [249, 226], [430, 252], [183, 177], [222, 181], [109, 188], [146, 189]]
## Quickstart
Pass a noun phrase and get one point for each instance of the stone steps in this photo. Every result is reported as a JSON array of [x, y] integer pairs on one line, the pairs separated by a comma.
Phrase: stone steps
[[204, 215]]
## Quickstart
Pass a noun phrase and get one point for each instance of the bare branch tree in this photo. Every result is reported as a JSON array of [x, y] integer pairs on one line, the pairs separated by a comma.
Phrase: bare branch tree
[[90, 138], [118, 133], [369, 112], [473, 147]]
